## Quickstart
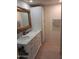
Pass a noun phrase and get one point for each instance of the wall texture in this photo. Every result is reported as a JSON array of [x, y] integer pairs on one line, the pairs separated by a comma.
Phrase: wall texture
[[52, 12], [37, 14], [36, 17]]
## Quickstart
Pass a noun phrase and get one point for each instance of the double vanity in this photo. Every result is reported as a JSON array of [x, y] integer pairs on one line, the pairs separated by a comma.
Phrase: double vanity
[[29, 44]]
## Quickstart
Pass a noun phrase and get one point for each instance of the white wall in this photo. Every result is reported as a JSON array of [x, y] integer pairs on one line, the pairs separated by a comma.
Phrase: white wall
[[37, 14], [52, 12], [36, 17]]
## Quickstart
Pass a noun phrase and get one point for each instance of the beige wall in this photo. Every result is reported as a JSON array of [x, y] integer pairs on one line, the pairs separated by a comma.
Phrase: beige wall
[[51, 13]]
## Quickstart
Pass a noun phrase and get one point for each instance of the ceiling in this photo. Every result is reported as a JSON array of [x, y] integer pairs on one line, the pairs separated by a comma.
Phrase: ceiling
[[42, 2]]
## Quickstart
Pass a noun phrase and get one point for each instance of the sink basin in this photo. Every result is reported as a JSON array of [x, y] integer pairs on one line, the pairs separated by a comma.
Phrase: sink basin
[[24, 38]]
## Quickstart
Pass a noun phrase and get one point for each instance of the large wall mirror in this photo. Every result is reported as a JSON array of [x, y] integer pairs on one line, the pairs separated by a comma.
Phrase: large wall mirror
[[23, 20]]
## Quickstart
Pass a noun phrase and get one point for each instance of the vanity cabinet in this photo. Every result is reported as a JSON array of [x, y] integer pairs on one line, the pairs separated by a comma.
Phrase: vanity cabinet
[[33, 46]]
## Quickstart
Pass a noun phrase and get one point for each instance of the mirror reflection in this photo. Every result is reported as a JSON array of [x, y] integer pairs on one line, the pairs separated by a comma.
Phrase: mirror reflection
[[23, 20]]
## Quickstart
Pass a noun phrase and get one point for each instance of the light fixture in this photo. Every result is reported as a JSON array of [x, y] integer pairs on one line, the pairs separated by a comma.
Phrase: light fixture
[[30, 1], [60, 0]]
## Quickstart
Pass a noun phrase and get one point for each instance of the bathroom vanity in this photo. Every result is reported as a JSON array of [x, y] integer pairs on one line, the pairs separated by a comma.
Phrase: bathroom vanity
[[29, 29], [30, 43]]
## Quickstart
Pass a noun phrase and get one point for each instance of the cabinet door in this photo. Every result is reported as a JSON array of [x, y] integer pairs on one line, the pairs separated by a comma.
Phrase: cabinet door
[[37, 44], [28, 48], [33, 46]]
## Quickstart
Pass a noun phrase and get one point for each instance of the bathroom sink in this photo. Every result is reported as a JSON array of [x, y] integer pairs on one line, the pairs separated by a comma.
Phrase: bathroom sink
[[24, 38]]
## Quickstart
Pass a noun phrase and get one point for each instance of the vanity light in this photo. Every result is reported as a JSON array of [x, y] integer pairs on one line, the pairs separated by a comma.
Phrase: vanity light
[[30, 1], [60, 0]]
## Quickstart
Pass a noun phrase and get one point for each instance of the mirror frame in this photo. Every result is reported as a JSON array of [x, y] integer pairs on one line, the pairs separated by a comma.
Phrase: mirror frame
[[24, 28]]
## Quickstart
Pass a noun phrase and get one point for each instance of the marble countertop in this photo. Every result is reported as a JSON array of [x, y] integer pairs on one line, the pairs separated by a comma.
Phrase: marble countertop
[[25, 39]]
